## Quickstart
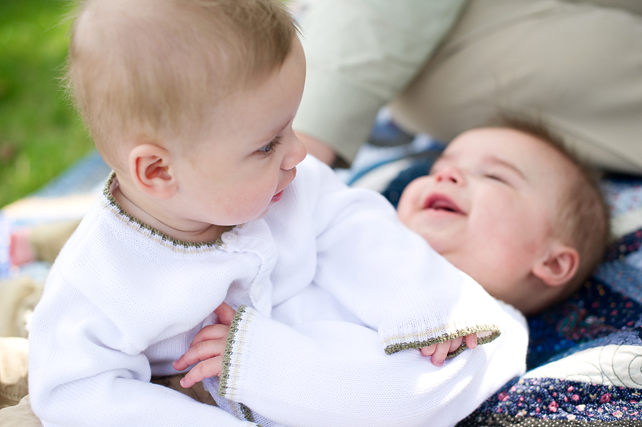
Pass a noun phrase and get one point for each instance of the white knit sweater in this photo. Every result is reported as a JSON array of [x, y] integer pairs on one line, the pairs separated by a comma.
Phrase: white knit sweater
[[123, 301]]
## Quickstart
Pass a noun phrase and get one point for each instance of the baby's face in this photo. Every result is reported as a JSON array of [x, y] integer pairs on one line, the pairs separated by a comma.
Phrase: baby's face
[[488, 205], [241, 169]]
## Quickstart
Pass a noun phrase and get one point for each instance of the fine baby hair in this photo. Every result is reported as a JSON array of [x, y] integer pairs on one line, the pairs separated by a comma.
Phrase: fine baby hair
[[582, 219], [158, 71]]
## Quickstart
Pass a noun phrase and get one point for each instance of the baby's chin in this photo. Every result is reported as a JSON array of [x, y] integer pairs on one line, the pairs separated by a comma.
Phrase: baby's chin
[[444, 247], [435, 237]]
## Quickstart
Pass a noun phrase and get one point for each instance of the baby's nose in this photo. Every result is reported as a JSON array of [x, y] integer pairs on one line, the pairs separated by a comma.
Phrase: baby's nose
[[295, 154], [449, 174]]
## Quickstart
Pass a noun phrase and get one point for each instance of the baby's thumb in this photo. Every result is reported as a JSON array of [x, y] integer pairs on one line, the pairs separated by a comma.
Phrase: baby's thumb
[[225, 314]]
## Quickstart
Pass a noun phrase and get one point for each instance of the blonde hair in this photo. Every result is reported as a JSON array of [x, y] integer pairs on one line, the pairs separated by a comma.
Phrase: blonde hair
[[155, 69], [583, 219]]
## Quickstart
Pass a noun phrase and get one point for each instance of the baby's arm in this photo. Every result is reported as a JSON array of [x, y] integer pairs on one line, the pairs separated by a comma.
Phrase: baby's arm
[[386, 274], [208, 348], [331, 373]]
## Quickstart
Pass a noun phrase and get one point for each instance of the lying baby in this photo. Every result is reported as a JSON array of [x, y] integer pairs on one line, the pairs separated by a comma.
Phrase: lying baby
[[508, 205], [513, 209]]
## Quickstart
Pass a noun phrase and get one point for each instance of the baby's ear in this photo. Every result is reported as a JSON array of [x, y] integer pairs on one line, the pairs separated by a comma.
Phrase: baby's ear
[[150, 169], [558, 266]]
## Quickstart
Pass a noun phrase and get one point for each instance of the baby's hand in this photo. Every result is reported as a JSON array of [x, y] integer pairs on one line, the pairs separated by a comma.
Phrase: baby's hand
[[207, 348], [438, 352]]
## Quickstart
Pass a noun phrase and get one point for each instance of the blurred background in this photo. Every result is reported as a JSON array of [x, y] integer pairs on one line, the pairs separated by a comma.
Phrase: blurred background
[[40, 133]]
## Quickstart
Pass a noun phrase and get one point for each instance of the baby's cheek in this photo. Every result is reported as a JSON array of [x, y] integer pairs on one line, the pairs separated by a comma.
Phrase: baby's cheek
[[503, 219], [404, 213], [403, 209]]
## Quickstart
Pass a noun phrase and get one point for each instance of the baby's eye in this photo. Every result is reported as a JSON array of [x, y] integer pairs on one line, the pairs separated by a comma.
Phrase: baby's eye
[[495, 177], [268, 148]]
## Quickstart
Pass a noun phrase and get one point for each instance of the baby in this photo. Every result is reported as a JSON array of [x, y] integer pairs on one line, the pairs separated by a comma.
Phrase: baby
[[514, 209], [191, 103]]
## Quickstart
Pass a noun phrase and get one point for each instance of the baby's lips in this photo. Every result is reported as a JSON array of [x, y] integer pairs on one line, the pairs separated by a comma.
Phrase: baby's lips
[[442, 202]]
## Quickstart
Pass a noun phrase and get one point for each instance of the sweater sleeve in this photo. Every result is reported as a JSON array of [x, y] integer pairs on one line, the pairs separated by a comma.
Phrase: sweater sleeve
[[388, 275], [360, 55], [329, 373], [81, 374]]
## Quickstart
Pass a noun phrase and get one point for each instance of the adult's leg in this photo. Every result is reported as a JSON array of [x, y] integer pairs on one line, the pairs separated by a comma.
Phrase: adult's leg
[[14, 360], [15, 409], [576, 65], [18, 297], [48, 239], [20, 415]]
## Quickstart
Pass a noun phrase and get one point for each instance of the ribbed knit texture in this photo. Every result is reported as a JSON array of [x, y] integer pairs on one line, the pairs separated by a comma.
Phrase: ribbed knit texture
[[123, 301]]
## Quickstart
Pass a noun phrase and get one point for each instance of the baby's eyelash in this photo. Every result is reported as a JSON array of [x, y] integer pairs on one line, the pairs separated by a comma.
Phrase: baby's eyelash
[[267, 149], [495, 177]]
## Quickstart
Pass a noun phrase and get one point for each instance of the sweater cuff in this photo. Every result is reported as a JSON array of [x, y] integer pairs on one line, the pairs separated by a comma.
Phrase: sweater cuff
[[411, 338], [237, 341]]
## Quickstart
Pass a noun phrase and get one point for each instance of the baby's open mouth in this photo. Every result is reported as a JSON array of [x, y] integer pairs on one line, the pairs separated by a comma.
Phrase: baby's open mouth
[[438, 202]]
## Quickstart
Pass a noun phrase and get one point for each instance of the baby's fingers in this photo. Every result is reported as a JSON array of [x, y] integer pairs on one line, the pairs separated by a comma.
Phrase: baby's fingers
[[206, 369], [441, 351], [225, 314], [455, 344], [201, 351], [211, 332], [452, 346], [428, 351], [471, 341]]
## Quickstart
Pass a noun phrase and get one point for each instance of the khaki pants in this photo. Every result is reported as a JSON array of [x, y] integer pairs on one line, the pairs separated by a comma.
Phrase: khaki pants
[[15, 410], [48, 239], [18, 298], [13, 370], [576, 65]]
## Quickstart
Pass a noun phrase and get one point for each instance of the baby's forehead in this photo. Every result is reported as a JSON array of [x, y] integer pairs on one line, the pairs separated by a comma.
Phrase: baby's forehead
[[526, 152], [546, 171]]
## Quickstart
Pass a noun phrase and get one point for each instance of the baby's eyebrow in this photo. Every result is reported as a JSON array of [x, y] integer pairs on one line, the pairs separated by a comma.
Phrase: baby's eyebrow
[[501, 162], [273, 133], [276, 130]]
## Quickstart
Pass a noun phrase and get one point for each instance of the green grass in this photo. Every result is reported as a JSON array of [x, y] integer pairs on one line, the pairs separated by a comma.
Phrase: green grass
[[40, 134]]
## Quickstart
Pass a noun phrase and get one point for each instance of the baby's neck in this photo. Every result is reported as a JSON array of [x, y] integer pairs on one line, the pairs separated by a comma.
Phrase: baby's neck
[[159, 218]]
